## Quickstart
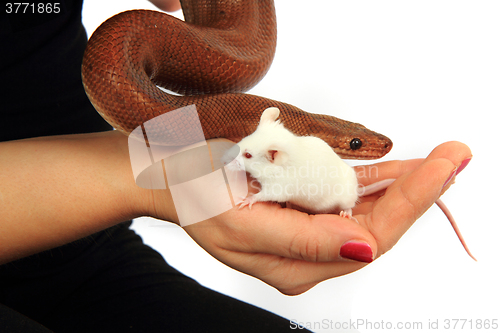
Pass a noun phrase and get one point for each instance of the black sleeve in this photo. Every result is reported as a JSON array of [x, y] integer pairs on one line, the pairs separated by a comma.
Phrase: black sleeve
[[40, 72]]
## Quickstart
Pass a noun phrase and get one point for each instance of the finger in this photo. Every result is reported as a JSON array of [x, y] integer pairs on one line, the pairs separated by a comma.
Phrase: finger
[[292, 257], [285, 253], [270, 229], [457, 152], [167, 5], [454, 151], [369, 174], [406, 200]]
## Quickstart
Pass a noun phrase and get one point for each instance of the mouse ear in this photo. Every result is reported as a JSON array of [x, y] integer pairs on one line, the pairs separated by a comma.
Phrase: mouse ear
[[270, 115], [278, 157]]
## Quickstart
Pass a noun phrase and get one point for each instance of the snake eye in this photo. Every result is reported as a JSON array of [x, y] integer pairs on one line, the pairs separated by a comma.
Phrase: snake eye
[[247, 155], [356, 144]]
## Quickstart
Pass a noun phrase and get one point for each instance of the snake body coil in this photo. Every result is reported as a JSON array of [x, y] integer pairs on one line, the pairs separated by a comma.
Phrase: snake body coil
[[221, 50]]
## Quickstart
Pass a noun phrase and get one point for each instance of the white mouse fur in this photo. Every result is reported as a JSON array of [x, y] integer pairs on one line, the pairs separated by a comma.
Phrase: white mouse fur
[[303, 171]]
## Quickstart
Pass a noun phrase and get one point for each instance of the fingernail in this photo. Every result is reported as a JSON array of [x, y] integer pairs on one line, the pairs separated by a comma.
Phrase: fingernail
[[453, 174], [463, 165], [358, 251]]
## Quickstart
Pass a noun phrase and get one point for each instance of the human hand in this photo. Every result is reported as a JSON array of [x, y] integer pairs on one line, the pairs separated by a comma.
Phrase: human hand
[[419, 183], [167, 5], [294, 251]]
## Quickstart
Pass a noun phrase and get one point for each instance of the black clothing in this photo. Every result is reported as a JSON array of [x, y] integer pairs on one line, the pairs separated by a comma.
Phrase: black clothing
[[40, 60], [112, 282]]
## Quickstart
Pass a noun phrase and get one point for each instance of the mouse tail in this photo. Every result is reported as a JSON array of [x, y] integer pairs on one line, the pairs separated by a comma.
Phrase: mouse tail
[[447, 212], [364, 191]]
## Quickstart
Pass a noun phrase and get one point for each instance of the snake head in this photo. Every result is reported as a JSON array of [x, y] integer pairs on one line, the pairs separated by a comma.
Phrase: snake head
[[349, 140], [354, 141]]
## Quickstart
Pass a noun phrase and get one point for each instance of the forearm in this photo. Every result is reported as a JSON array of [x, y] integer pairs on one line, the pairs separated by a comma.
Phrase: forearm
[[58, 189]]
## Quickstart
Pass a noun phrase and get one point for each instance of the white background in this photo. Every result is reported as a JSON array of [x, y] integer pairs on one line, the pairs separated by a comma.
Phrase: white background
[[421, 73]]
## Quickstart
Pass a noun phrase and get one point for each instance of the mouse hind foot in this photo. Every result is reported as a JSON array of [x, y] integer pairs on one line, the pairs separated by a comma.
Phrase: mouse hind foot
[[348, 214]]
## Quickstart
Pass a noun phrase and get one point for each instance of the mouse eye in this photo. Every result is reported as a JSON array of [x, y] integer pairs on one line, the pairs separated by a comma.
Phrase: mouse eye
[[356, 144], [247, 155]]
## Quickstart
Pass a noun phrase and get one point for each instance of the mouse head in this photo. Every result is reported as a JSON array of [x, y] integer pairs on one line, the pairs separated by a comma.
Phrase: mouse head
[[267, 147]]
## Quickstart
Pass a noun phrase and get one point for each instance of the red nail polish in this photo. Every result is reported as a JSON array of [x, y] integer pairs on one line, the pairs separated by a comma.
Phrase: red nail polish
[[463, 165], [358, 251]]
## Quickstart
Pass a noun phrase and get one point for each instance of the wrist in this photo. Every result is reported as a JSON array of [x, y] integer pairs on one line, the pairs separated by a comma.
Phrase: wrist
[[142, 199]]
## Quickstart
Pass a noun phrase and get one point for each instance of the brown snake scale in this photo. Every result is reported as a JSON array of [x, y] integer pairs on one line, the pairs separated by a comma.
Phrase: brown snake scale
[[221, 50]]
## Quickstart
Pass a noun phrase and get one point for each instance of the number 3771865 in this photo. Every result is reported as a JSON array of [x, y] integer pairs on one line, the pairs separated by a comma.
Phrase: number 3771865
[[32, 8]]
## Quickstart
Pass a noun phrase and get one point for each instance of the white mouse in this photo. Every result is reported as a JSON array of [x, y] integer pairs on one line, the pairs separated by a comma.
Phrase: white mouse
[[303, 171], [300, 170]]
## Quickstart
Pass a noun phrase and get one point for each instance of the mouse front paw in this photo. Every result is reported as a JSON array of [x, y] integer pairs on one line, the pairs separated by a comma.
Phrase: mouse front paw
[[248, 201]]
